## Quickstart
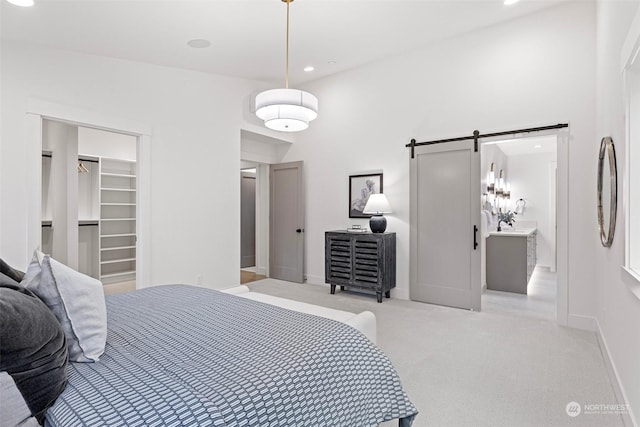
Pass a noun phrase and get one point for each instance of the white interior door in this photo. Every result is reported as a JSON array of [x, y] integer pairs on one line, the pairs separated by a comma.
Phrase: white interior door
[[286, 259], [445, 225]]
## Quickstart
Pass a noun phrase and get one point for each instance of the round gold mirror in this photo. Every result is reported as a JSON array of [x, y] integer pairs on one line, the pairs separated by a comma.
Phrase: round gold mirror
[[607, 191]]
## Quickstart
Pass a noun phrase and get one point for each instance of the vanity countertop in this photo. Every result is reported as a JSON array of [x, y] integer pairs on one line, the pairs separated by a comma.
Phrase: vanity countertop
[[517, 232]]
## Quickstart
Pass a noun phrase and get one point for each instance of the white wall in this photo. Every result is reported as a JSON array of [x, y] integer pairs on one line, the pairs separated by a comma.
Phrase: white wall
[[101, 143], [530, 180], [618, 309], [536, 70], [195, 147]]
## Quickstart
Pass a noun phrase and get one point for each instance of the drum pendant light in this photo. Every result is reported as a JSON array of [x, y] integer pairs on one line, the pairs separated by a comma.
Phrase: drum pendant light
[[286, 110]]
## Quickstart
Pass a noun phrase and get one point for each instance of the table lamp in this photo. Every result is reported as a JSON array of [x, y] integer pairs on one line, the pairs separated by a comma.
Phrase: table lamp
[[376, 206]]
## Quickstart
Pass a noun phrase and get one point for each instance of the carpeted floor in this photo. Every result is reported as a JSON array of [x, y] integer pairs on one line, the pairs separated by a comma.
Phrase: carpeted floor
[[492, 368]]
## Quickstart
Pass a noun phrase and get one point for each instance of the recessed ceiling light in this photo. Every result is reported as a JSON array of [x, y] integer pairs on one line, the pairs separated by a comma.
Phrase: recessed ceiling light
[[309, 69], [23, 3], [199, 43], [537, 146], [510, 2]]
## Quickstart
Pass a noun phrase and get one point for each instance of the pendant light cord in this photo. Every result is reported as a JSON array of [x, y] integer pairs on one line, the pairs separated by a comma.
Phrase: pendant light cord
[[286, 82]]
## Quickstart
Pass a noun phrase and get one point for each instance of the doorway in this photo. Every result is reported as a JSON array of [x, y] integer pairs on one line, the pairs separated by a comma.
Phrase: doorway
[[279, 207], [88, 202], [249, 224], [425, 180], [519, 262], [38, 112]]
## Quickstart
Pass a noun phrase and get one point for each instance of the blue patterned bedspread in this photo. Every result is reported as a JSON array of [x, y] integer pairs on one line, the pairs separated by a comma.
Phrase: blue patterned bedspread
[[187, 356]]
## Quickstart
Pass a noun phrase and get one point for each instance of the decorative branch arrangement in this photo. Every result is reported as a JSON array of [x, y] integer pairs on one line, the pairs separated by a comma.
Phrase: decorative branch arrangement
[[507, 217]]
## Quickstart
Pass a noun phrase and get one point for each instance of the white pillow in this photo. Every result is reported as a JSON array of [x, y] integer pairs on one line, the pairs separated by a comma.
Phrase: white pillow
[[76, 300]]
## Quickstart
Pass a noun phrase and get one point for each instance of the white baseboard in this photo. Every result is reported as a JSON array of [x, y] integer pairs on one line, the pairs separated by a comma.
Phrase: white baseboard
[[586, 323], [315, 280], [628, 417]]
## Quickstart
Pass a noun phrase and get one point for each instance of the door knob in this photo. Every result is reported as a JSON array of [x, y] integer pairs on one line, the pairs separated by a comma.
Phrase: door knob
[[299, 230]]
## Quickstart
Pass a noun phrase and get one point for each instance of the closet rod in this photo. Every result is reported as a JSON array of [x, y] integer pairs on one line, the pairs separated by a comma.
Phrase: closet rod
[[476, 135], [80, 159]]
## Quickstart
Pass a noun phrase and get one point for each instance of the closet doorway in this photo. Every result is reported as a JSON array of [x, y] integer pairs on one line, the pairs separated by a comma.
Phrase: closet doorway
[[89, 202]]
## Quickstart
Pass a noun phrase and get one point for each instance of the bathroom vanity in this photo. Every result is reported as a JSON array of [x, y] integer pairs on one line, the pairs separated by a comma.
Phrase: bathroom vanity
[[511, 258]]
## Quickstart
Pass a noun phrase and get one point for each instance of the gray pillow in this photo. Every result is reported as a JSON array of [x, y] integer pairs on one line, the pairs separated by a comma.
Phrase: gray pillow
[[6, 280], [11, 272], [33, 353], [76, 300]]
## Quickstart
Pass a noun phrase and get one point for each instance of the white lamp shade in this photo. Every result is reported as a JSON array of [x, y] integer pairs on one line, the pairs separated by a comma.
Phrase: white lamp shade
[[377, 204], [286, 110]]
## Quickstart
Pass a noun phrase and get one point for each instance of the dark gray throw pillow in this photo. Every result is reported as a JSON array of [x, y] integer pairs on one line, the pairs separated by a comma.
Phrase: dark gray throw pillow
[[11, 272], [34, 350], [6, 280]]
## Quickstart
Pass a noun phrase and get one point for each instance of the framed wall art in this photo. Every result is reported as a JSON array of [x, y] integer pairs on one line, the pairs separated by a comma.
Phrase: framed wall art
[[360, 188]]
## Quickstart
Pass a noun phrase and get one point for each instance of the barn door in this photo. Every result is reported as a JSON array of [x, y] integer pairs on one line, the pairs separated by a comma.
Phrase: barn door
[[445, 222]]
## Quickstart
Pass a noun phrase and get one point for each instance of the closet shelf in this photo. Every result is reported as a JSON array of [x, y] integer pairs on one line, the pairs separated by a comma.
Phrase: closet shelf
[[119, 175], [115, 261], [122, 273], [118, 189], [117, 248], [119, 235]]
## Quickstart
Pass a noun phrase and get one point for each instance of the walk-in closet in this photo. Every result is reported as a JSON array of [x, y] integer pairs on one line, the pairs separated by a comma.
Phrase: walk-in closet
[[89, 201]]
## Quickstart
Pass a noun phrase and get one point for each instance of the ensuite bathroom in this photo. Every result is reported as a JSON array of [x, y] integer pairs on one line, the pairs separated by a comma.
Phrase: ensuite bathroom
[[518, 226]]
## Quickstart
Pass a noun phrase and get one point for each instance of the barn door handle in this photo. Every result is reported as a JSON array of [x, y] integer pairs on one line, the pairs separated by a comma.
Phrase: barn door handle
[[475, 237]]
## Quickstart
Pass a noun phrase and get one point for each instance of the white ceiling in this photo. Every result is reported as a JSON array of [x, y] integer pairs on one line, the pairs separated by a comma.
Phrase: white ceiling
[[248, 36], [531, 145]]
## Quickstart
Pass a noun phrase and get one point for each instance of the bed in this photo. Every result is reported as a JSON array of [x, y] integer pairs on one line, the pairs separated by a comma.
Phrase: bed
[[180, 355]]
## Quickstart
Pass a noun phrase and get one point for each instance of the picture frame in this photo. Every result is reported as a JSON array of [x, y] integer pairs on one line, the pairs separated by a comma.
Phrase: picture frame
[[360, 188]]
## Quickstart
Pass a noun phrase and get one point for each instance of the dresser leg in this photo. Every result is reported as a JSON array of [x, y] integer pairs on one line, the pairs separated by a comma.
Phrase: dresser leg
[[333, 289], [387, 294], [379, 295]]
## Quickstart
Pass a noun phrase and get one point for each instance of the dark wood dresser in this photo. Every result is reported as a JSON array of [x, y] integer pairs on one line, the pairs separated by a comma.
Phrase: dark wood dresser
[[361, 261]]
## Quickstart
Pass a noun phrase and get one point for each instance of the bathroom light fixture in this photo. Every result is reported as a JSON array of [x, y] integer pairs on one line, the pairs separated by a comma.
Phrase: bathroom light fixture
[[286, 110], [22, 3], [491, 183], [500, 187], [376, 206]]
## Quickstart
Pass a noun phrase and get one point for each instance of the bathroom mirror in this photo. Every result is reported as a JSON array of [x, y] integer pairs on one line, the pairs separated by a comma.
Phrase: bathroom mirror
[[607, 191]]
